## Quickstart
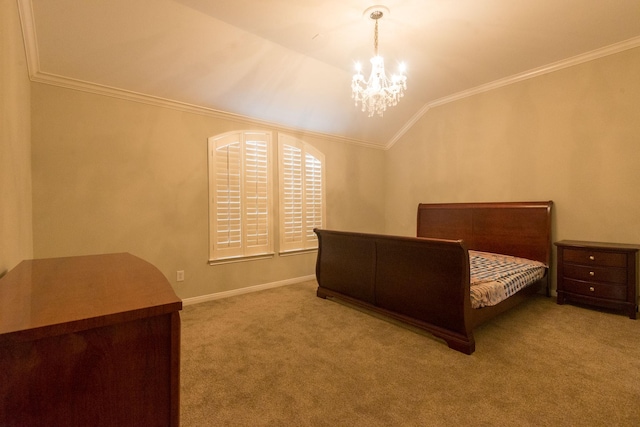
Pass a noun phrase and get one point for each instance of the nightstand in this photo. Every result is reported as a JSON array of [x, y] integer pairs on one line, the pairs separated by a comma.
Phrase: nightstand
[[598, 274]]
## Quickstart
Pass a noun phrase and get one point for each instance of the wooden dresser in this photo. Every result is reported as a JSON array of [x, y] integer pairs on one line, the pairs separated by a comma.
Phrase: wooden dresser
[[599, 274], [89, 341]]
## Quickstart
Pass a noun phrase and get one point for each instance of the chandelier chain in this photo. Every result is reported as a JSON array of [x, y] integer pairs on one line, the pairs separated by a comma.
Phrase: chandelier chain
[[375, 39]]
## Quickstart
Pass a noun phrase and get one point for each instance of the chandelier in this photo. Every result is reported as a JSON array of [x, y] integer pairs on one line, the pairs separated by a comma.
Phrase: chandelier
[[379, 92]]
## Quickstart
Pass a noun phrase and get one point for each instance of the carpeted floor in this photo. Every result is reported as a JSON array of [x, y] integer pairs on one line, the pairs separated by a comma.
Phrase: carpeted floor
[[283, 357]]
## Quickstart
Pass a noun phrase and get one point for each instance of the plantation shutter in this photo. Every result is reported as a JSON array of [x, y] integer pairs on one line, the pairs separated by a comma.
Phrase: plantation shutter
[[256, 195], [226, 198], [301, 194], [292, 196], [313, 197], [239, 187]]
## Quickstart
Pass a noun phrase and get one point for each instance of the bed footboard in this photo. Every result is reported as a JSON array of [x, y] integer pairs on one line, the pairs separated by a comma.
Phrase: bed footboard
[[423, 282]]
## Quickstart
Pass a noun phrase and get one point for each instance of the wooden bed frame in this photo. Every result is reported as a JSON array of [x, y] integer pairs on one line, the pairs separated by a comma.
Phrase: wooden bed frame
[[424, 280]]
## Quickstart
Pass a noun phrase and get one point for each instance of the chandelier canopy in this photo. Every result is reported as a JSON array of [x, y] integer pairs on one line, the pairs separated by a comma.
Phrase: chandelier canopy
[[379, 92]]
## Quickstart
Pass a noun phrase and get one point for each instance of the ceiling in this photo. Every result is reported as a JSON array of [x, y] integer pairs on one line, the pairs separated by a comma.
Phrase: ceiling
[[289, 63]]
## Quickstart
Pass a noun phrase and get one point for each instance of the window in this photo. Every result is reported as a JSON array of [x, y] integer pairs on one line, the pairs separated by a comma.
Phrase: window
[[240, 187], [301, 194], [241, 183]]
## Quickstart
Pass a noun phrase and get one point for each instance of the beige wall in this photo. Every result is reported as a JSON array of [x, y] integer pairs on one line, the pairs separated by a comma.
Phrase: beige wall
[[16, 237], [572, 136], [111, 175]]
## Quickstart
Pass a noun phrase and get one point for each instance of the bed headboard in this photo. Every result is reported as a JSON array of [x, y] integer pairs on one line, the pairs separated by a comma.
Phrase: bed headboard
[[521, 229]]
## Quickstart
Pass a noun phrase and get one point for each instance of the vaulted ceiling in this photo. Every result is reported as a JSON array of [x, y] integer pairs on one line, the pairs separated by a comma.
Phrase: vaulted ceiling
[[289, 63]]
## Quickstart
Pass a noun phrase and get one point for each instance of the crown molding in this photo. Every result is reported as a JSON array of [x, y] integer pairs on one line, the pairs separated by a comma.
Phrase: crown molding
[[27, 20], [412, 121], [25, 9], [546, 69], [536, 72], [84, 86]]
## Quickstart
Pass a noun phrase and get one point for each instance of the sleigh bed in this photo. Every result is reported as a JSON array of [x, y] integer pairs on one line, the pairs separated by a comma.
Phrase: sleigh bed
[[426, 281]]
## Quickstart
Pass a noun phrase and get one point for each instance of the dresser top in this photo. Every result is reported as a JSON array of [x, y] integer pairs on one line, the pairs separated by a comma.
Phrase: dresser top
[[598, 245], [47, 297]]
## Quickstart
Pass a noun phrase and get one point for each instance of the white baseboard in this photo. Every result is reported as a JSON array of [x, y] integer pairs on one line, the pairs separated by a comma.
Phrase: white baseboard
[[248, 289]]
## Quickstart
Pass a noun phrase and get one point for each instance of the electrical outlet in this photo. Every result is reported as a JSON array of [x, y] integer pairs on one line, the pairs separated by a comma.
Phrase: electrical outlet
[[180, 275]]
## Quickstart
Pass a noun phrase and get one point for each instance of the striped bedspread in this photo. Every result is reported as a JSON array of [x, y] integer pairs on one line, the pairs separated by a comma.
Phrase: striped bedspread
[[496, 277]]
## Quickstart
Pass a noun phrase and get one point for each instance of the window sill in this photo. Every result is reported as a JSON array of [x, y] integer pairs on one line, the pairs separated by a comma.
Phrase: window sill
[[240, 259], [297, 252]]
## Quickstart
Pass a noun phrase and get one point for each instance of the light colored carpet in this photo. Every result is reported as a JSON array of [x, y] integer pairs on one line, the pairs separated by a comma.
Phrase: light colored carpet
[[283, 357]]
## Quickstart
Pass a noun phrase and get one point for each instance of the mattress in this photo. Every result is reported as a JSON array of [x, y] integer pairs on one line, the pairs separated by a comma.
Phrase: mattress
[[496, 277]]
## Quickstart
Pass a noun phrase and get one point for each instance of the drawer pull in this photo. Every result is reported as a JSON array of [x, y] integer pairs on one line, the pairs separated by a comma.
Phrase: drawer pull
[[592, 289], [591, 273], [592, 258]]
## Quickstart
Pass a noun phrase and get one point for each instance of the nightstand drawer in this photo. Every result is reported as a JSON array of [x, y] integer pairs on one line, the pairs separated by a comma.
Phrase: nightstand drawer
[[594, 257], [595, 274], [596, 290]]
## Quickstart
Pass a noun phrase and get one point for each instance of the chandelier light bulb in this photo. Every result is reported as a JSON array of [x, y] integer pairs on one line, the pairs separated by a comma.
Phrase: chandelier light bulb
[[378, 92]]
